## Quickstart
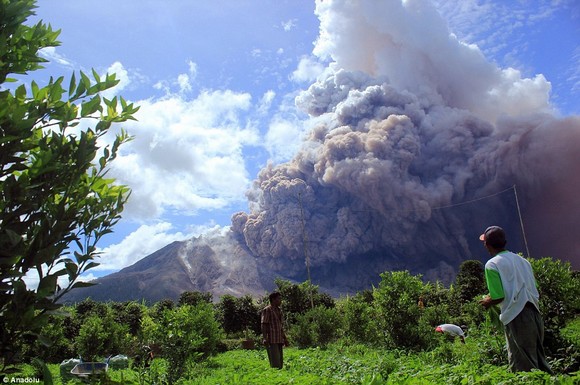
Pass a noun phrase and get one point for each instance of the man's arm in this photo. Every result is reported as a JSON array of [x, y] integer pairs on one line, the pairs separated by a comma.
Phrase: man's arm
[[266, 327], [496, 294], [487, 301]]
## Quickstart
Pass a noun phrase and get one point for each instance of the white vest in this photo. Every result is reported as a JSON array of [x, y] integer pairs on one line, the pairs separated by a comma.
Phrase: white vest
[[519, 284]]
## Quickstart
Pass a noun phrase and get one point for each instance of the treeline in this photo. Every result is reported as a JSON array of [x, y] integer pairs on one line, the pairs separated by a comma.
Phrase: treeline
[[400, 313]]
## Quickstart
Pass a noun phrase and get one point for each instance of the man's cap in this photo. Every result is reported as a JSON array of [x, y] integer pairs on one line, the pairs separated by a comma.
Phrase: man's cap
[[494, 236]]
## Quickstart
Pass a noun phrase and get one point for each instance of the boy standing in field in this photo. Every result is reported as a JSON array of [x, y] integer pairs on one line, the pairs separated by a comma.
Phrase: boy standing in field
[[274, 338], [512, 286]]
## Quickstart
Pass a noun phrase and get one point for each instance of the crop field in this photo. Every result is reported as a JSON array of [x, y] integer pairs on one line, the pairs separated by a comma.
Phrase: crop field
[[452, 363], [380, 336]]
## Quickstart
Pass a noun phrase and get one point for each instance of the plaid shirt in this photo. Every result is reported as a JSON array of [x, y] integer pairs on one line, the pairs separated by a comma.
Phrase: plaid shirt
[[272, 324]]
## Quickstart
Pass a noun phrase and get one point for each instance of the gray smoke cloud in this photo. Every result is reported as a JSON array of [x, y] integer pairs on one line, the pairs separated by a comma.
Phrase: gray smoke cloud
[[410, 124]]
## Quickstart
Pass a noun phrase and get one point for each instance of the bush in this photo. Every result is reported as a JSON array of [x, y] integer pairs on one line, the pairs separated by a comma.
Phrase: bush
[[470, 281], [194, 298], [358, 314], [559, 291], [237, 315], [185, 334], [130, 314], [317, 327], [92, 338], [398, 314], [299, 298], [59, 347]]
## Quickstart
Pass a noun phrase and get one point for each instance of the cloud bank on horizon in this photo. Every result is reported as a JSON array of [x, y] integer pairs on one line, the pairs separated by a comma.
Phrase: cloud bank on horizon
[[399, 117]]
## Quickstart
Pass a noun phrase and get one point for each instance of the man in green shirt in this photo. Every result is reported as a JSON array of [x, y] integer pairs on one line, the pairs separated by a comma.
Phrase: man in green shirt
[[512, 286]]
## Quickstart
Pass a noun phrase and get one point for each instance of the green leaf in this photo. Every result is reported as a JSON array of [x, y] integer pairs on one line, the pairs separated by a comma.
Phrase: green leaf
[[96, 76], [90, 266], [47, 285], [71, 268], [20, 92], [91, 106], [85, 81], [34, 88], [81, 89], [46, 373], [73, 84], [82, 284], [44, 340]]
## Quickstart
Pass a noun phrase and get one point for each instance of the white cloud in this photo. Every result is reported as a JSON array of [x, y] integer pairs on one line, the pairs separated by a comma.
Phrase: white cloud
[[183, 82], [266, 102], [307, 71], [499, 28], [186, 155], [50, 54], [574, 71], [140, 243], [284, 137], [192, 69], [121, 74], [289, 25]]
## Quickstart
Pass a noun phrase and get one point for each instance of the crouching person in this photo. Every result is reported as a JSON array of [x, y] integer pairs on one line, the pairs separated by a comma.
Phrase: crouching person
[[451, 330]]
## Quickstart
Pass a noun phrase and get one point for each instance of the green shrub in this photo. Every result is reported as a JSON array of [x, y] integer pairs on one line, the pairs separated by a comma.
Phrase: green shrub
[[185, 334], [571, 332], [91, 341], [470, 281], [59, 346], [238, 315], [358, 320], [194, 298], [299, 298], [398, 314], [317, 327], [559, 291], [128, 313]]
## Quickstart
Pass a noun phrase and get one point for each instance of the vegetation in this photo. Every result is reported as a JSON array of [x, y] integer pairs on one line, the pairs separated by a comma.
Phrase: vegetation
[[55, 203], [379, 336]]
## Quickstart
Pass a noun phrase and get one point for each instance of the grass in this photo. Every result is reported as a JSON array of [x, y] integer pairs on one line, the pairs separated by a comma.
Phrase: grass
[[451, 363], [480, 361]]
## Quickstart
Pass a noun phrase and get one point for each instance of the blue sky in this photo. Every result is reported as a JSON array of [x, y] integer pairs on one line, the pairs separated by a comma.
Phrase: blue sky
[[217, 80]]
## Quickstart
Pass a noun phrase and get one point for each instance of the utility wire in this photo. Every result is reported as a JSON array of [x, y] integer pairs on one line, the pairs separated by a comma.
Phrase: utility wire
[[474, 200]]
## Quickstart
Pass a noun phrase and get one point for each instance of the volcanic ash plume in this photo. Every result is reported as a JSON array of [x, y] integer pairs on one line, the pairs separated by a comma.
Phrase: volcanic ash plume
[[408, 122]]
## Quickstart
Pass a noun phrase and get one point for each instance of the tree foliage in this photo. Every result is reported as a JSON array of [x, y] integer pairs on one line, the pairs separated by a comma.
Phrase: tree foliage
[[237, 315], [559, 288], [185, 334], [396, 299], [470, 281], [299, 298], [359, 318], [390, 316], [194, 298], [317, 327], [56, 202]]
